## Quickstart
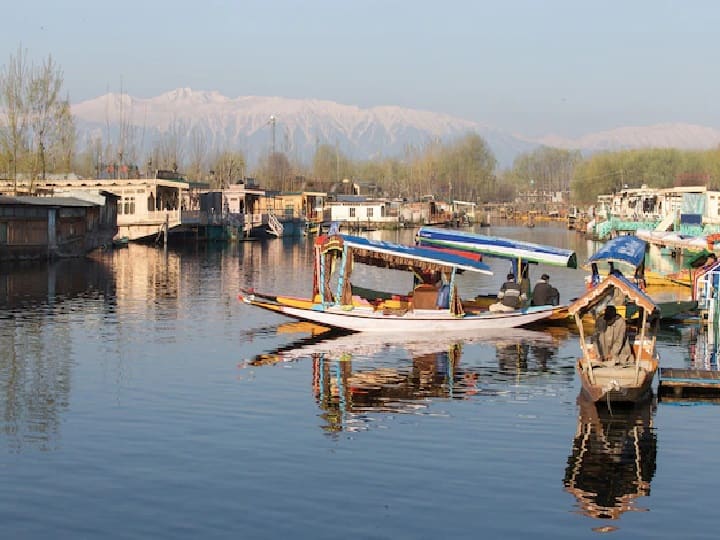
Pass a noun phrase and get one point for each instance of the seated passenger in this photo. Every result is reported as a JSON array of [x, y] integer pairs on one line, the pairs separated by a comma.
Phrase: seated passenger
[[545, 294], [510, 297], [612, 339]]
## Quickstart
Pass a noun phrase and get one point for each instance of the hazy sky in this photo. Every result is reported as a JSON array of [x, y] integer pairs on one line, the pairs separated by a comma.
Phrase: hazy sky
[[531, 67]]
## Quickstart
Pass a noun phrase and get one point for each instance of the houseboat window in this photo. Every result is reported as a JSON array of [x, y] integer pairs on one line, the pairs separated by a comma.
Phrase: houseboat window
[[129, 205], [352, 211], [119, 208], [3, 233], [151, 203], [369, 212]]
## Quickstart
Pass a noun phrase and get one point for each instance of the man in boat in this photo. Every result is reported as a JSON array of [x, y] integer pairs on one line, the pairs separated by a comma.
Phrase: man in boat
[[545, 294], [612, 338], [510, 297]]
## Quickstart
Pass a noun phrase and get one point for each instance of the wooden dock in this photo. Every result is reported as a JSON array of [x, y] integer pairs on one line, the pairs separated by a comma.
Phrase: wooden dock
[[681, 383]]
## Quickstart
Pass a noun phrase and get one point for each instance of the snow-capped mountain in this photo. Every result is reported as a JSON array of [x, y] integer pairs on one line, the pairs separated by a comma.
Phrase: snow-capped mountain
[[300, 125], [681, 136]]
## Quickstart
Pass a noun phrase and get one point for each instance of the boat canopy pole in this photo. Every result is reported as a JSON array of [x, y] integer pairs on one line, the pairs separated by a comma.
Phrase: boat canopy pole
[[640, 348], [322, 281], [453, 290], [341, 275], [583, 346]]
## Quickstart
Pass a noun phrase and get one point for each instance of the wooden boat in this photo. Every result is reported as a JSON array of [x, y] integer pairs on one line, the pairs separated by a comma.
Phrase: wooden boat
[[618, 383], [121, 242], [417, 311], [629, 252], [520, 254]]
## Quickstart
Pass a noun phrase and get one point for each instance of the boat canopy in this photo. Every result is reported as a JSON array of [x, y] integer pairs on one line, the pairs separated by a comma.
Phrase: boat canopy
[[606, 288], [378, 253], [622, 249], [493, 246]]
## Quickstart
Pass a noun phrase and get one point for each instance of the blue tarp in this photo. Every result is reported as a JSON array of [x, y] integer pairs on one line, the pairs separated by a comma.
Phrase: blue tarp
[[416, 253], [493, 246], [626, 249]]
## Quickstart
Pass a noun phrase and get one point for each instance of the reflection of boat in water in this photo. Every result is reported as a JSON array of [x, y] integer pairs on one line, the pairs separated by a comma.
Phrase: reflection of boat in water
[[341, 344], [358, 373], [613, 458]]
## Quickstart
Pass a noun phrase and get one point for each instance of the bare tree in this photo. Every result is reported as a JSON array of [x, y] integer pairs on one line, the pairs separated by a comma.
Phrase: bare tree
[[65, 140], [198, 153], [169, 151], [227, 167], [13, 102], [47, 111]]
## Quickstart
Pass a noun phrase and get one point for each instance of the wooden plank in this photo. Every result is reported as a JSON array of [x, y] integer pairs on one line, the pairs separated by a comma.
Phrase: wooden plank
[[689, 374], [690, 383]]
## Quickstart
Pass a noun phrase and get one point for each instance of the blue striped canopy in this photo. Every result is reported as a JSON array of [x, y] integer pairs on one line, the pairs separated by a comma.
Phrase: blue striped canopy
[[413, 253], [623, 249], [493, 246]]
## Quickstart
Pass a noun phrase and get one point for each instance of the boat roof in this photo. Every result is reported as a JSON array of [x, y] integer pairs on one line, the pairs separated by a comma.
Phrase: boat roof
[[400, 254], [622, 249], [605, 288], [494, 246]]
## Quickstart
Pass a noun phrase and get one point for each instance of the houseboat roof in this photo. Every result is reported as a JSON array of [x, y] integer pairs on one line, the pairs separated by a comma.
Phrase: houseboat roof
[[45, 201]]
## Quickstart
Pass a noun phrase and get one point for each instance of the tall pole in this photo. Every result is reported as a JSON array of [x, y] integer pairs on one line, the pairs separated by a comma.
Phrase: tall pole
[[272, 123]]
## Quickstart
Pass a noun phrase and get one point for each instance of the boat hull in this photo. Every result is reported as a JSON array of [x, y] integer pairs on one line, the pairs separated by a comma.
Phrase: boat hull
[[617, 384], [361, 319]]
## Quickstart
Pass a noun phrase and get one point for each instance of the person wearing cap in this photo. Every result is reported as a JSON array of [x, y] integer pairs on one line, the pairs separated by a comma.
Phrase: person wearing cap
[[545, 294], [510, 296], [612, 338]]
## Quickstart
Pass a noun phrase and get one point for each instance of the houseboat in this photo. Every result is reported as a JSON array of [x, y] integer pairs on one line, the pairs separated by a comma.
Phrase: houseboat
[[46, 228]]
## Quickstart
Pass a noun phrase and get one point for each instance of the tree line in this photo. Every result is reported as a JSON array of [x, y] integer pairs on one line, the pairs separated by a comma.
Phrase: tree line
[[38, 136]]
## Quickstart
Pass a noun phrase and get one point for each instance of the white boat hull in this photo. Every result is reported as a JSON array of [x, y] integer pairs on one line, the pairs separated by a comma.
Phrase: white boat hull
[[368, 320]]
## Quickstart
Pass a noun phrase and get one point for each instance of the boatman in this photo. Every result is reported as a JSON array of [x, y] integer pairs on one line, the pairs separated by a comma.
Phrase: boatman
[[545, 294], [612, 338], [510, 296]]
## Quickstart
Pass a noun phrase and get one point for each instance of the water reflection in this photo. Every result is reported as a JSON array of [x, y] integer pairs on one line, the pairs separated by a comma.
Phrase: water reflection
[[27, 286], [613, 459], [36, 358], [356, 375]]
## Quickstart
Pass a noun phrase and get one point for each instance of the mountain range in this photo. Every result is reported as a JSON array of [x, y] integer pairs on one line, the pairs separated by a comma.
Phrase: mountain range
[[256, 124]]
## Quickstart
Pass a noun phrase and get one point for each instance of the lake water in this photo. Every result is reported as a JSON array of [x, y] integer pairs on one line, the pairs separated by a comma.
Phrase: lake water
[[140, 399]]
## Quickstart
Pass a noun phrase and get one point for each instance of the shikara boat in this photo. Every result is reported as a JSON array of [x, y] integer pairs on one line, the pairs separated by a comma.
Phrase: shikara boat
[[618, 383], [628, 253], [425, 308], [520, 254]]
